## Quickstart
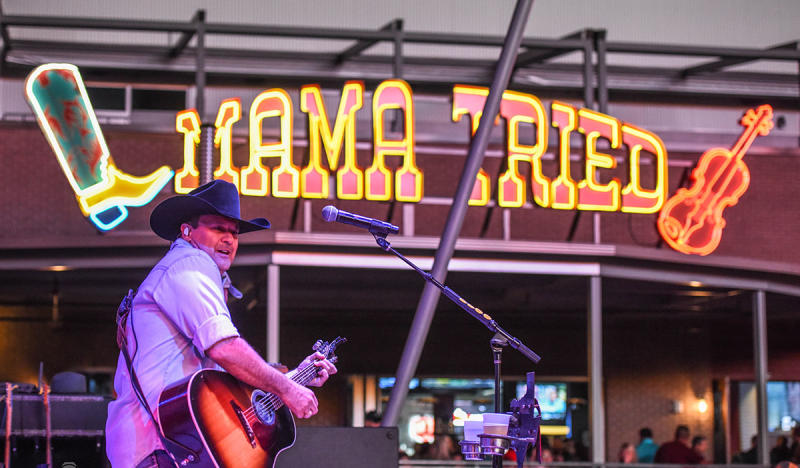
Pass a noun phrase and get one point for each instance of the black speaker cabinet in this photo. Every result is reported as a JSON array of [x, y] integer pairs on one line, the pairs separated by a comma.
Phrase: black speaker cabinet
[[345, 447]]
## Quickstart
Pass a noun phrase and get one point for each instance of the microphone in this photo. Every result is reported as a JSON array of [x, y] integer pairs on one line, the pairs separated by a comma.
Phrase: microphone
[[330, 214]]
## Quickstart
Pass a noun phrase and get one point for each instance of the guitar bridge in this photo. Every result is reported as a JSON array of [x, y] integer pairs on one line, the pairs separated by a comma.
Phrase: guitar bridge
[[248, 429]]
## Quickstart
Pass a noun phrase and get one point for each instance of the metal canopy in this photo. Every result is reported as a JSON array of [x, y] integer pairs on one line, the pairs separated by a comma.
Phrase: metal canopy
[[175, 62]]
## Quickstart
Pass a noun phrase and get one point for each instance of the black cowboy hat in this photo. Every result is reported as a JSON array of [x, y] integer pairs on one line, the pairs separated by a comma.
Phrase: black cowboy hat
[[214, 198]]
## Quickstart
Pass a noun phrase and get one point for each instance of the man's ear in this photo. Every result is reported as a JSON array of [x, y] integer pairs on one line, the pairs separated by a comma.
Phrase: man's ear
[[186, 230]]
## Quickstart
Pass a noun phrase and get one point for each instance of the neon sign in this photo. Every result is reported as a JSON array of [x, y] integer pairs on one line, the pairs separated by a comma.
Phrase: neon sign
[[691, 221], [377, 182], [58, 98], [564, 192]]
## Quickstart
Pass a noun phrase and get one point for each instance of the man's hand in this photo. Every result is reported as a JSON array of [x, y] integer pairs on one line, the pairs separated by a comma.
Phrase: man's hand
[[326, 368], [300, 400]]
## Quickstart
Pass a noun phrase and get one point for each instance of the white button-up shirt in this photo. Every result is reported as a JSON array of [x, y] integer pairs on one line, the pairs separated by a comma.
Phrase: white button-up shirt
[[178, 313]]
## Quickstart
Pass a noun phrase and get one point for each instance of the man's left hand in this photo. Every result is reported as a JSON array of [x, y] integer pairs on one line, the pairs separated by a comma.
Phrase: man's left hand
[[326, 368]]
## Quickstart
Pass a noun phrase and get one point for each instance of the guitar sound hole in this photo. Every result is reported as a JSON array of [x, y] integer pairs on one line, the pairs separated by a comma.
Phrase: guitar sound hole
[[263, 407]]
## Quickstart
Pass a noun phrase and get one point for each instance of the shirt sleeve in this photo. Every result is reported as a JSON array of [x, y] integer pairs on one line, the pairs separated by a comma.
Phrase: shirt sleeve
[[190, 294]]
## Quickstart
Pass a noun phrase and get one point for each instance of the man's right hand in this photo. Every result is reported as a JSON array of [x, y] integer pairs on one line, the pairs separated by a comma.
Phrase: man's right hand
[[300, 400]]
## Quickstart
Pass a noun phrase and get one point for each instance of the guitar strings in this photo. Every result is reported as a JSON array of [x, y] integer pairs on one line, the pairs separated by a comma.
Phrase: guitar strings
[[272, 402]]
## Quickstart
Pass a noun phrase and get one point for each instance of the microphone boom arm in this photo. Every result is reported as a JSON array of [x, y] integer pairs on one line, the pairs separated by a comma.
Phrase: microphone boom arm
[[481, 316]]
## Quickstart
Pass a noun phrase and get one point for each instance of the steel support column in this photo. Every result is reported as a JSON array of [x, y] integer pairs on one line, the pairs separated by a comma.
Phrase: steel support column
[[205, 154], [597, 416], [760, 358], [430, 295], [273, 312]]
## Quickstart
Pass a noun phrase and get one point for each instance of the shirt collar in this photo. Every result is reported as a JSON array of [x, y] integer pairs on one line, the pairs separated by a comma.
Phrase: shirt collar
[[226, 279]]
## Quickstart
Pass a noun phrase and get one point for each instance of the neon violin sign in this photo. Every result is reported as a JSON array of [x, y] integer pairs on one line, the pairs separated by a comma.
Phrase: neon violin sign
[[691, 221]]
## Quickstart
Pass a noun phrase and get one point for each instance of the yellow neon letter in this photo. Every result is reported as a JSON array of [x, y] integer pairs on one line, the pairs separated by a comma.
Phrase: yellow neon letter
[[286, 177], [349, 177], [188, 123], [230, 111], [393, 94], [635, 199], [469, 100], [593, 195], [563, 190], [516, 108]]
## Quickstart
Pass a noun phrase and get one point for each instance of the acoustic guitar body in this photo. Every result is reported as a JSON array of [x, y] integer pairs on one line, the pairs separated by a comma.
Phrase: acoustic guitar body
[[211, 413]]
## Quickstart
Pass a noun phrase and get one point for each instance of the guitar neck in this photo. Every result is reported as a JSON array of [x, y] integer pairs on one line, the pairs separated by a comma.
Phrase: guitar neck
[[302, 377], [306, 375]]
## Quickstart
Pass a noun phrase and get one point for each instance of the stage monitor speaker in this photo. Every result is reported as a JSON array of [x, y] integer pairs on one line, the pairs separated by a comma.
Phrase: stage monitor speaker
[[342, 447]]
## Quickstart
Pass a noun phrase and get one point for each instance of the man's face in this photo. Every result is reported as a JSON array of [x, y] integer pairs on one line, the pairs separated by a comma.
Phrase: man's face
[[701, 446], [218, 237]]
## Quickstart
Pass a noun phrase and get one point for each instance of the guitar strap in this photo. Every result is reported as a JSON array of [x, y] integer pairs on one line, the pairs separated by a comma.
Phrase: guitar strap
[[123, 311]]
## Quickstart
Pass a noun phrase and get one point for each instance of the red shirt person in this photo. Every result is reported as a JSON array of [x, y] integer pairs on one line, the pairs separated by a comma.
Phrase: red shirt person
[[678, 450]]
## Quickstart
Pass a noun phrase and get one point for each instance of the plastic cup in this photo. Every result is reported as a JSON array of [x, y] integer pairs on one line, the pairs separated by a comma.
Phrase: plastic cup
[[496, 423], [472, 429]]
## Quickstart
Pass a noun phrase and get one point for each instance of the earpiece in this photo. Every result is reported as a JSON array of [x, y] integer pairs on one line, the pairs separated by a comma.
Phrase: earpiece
[[186, 231]]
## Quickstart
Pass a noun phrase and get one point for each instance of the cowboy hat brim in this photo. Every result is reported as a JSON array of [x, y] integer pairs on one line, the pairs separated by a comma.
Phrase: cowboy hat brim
[[167, 217]]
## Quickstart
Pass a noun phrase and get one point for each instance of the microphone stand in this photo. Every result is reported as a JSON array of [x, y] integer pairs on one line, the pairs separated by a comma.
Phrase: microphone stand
[[481, 316], [500, 339]]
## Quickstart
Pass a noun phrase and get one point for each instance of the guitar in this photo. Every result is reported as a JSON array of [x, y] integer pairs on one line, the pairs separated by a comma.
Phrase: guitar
[[210, 419], [691, 221]]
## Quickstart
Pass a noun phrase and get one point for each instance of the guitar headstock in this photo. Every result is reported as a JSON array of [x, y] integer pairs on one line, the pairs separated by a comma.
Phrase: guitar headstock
[[760, 119], [327, 349]]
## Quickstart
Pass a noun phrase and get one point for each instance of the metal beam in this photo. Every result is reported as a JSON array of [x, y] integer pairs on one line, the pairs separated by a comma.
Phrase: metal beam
[[729, 62], [362, 45], [281, 31], [186, 36], [599, 41], [597, 418], [273, 312], [760, 358], [538, 55], [702, 51], [96, 23], [430, 295], [6, 39]]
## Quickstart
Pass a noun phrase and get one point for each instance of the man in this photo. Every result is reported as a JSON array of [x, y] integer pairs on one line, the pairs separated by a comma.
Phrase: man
[[700, 446], [646, 450], [678, 450], [749, 456], [179, 324]]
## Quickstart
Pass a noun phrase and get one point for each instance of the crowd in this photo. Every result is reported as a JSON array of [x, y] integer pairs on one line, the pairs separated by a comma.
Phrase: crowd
[[682, 449], [692, 451]]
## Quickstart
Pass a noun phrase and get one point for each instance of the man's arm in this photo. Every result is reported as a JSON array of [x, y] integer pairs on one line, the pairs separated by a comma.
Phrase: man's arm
[[237, 357]]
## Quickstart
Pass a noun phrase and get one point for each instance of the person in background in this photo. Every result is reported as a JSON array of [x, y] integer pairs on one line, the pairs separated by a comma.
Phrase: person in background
[[627, 453], [444, 448], [780, 452], [750, 456], [678, 450], [646, 450], [700, 446], [795, 448], [372, 419]]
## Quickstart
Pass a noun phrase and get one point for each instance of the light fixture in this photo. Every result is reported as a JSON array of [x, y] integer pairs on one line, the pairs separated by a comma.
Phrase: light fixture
[[702, 405]]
